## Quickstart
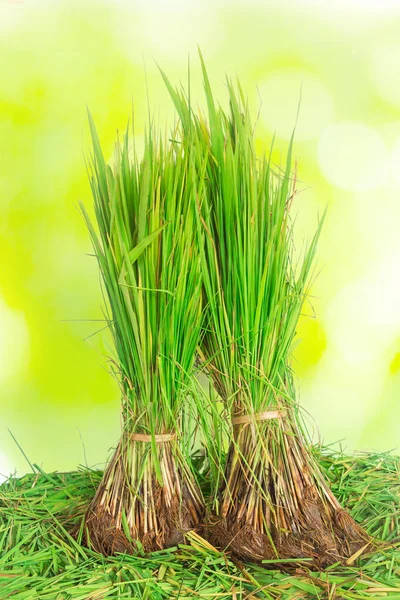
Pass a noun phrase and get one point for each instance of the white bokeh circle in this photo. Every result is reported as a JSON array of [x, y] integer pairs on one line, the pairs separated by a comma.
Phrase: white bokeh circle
[[362, 319], [353, 156], [160, 29], [280, 94], [386, 69]]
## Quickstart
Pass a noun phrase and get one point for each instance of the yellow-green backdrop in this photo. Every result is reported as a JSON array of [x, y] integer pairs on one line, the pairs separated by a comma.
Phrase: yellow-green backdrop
[[58, 57]]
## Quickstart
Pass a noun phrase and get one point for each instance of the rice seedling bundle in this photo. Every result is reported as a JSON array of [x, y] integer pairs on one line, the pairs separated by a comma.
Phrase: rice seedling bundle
[[273, 501], [145, 244]]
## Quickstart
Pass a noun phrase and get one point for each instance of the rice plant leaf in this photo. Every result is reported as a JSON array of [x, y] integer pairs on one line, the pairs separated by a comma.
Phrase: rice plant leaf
[[135, 253]]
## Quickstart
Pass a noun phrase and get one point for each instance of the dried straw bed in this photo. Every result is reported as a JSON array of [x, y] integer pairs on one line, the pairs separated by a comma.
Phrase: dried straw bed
[[39, 559]]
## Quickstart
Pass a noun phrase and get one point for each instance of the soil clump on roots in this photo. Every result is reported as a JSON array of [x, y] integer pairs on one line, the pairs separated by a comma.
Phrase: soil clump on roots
[[130, 512], [275, 503]]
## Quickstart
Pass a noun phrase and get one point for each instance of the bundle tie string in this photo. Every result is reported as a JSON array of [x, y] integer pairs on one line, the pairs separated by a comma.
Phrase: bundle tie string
[[159, 438], [261, 416]]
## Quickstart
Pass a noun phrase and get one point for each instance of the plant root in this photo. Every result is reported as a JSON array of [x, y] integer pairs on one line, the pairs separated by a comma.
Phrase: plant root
[[275, 504], [133, 511]]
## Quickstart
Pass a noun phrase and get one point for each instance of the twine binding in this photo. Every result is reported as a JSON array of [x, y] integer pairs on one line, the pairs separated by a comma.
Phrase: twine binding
[[261, 416], [159, 438]]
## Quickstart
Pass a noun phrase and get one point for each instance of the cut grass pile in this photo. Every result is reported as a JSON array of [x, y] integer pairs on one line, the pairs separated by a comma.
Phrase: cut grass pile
[[39, 558]]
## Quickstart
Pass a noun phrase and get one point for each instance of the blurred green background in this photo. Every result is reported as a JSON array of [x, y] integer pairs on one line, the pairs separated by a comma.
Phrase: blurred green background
[[58, 57]]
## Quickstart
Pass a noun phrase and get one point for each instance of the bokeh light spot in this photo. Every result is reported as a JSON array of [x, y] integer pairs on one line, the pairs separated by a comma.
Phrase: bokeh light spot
[[385, 68], [5, 467], [363, 317], [352, 156], [143, 26], [280, 95], [395, 364], [312, 343], [394, 166], [13, 341]]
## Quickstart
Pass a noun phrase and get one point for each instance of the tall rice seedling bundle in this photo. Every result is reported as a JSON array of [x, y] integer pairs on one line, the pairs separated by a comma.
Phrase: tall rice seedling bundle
[[273, 502], [150, 266]]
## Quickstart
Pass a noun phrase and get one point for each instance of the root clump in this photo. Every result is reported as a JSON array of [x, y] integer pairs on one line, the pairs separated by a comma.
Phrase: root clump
[[285, 512], [130, 513]]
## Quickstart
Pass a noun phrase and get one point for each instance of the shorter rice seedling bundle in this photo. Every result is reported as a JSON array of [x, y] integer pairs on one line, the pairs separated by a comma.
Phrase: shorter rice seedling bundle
[[149, 261], [274, 502]]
